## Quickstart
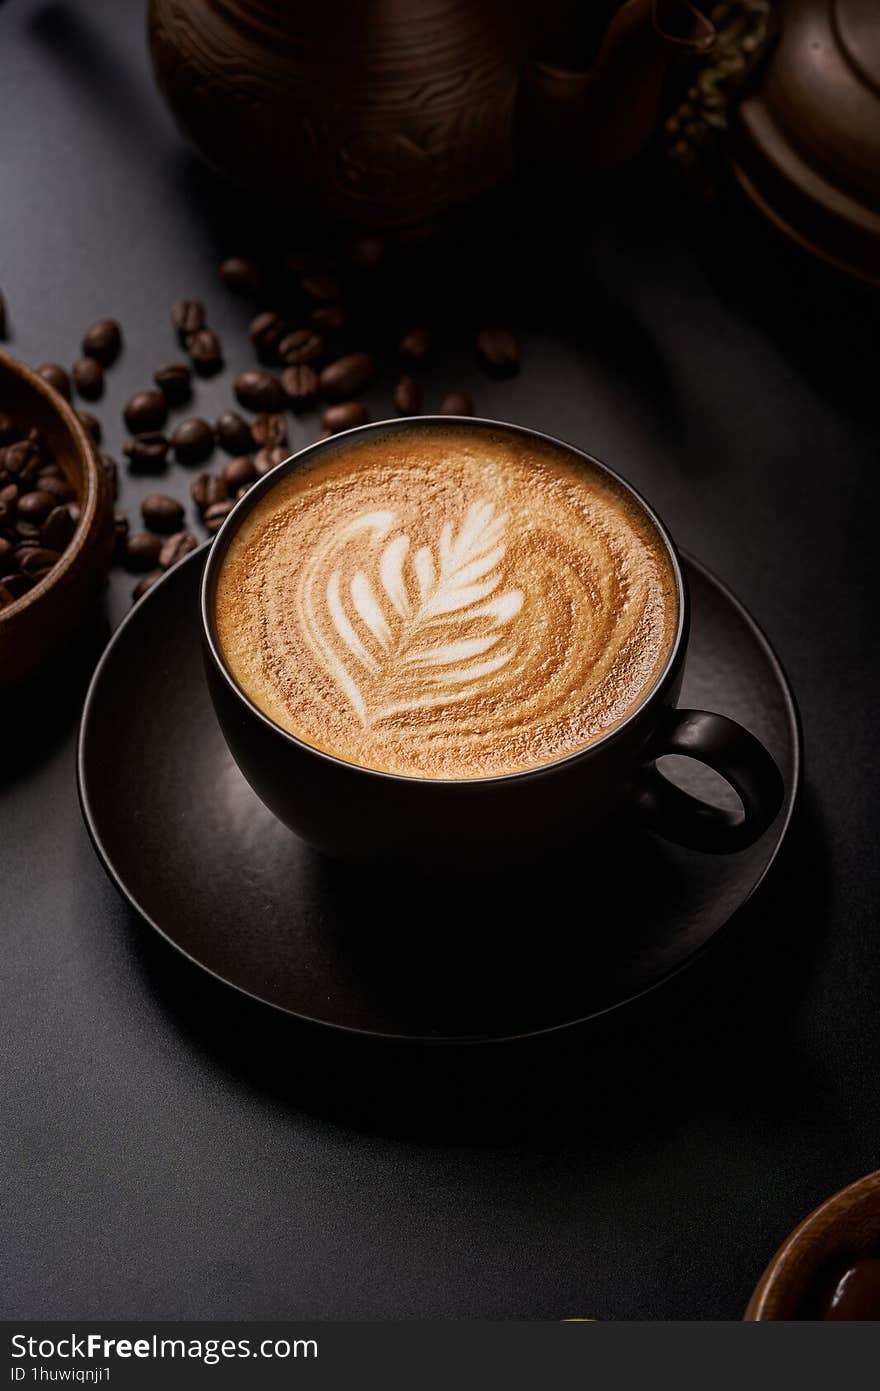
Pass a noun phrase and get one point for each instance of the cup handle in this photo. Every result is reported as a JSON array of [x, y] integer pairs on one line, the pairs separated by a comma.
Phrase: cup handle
[[730, 750]]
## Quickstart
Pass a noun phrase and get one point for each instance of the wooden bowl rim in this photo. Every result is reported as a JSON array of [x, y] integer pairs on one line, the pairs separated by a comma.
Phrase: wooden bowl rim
[[818, 1221], [83, 446]]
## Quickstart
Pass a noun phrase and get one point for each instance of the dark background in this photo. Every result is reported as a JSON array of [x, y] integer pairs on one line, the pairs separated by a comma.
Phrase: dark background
[[171, 1152]]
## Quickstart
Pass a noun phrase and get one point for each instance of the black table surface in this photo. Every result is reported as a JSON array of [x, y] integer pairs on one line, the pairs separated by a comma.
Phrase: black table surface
[[169, 1151]]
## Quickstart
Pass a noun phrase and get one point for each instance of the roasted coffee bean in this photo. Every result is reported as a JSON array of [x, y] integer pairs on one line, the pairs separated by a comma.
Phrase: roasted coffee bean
[[331, 317], [120, 534], [300, 384], [206, 351], [319, 284], [91, 424], [111, 470], [237, 473], [145, 412], [51, 470], [35, 506], [324, 435], [25, 530], [57, 377], [193, 440], [175, 548], [269, 428], [57, 529], [5, 553], [22, 461], [147, 452], [266, 332], [9, 431], [61, 490], [16, 584], [216, 515], [245, 487], [207, 489], [8, 509], [233, 433], [416, 344], [456, 403], [304, 345], [347, 376], [269, 457], [37, 558], [498, 349], [103, 341], [142, 550], [188, 316], [259, 391], [146, 583], [344, 416], [242, 276], [174, 380], [407, 396], [161, 513], [88, 378], [366, 251]]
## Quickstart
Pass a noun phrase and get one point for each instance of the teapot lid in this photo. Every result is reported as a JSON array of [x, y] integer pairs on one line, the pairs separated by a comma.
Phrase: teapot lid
[[806, 145]]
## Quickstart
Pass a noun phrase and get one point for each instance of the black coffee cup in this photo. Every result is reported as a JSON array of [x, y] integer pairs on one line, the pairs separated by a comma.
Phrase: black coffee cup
[[375, 817]]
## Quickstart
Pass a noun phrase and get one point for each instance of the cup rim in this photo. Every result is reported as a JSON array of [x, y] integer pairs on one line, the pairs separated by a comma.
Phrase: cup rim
[[404, 423]]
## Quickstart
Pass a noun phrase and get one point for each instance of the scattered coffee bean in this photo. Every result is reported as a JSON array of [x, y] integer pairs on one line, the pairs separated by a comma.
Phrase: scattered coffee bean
[[233, 433], [61, 490], [416, 344], [241, 275], [259, 391], [331, 317], [142, 550], [407, 396], [300, 384], [175, 548], [319, 284], [35, 506], [245, 487], [266, 332], [193, 440], [304, 345], [347, 376], [161, 513], [269, 428], [499, 350], [88, 378], [207, 489], [145, 412], [111, 469], [188, 316], [57, 377], [324, 435], [36, 559], [216, 515], [145, 584], [120, 534], [344, 416], [456, 403], [146, 452], [103, 341], [366, 251], [238, 473], [91, 424], [206, 351], [269, 457], [174, 380]]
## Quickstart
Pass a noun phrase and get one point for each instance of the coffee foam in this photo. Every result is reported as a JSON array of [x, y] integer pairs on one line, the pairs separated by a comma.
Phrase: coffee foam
[[446, 603]]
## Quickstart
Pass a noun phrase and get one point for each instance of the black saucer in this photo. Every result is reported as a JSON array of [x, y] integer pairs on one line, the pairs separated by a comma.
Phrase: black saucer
[[196, 853]]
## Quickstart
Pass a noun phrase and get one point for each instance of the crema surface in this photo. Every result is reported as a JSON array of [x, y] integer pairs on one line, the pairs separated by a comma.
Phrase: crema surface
[[446, 603]]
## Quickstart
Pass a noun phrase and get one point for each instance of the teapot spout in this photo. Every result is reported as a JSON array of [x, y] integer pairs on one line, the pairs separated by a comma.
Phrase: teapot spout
[[602, 117]]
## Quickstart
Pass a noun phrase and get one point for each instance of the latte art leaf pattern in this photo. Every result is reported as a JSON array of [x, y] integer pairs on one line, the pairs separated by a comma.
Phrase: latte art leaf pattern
[[415, 626]]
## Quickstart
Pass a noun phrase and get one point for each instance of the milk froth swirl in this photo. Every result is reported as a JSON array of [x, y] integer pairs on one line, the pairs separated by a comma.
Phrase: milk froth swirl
[[446, 603]]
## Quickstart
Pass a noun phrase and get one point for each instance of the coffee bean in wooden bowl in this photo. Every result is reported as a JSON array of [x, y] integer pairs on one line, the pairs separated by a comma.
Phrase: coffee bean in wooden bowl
[[49, 576]]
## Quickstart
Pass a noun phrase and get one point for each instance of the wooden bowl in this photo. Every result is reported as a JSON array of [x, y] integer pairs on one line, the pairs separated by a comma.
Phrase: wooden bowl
[[41, 621], [844, 1228]]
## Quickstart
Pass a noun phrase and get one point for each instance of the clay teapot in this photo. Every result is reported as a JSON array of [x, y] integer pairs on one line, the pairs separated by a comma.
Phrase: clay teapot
[[387, 112]]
